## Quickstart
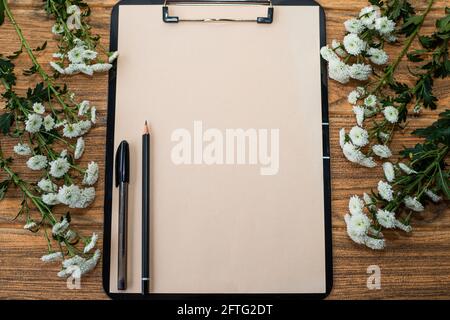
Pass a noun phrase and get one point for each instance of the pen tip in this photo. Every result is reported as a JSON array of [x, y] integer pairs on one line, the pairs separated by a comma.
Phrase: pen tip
[[146, 131]]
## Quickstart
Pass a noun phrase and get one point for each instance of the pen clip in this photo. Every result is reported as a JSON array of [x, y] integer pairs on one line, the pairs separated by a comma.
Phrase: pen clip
[[122, 165]]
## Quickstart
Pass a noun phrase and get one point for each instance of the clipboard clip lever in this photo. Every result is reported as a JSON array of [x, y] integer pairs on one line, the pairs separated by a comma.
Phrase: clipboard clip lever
[[167, 18]]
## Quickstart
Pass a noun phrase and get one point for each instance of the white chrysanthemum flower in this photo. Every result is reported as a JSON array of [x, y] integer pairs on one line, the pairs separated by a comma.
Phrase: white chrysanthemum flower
[[327, 53], [59, 167], [353, 44], [337, 47], [37, 162], [50, 199], [368, 162], [91, 174], [30, 225], [63, 153], [49, 123], [60, 123], [406, 169], [361, 90], [355, 205], [384, 136], [370, 101], [73, 9], [401, 226], [359, 113], [352, 153], [79, 148], [38, 108], [57, 67], [93, 241], [354, 26], [75, 55], [69, 271], [338, 70], [51, 257], [390, 38], [79, 43], [375, 244], [391, 114], [47, 185], [89, 54], [84, 68], [22, 149], [413, 204], [69, 195], [75, 68], [70, 235], [72, 69], [382, 150], [385, 190], [71, 130], [86, 197], [384, 26], [83, 107], [33, 123], [101, 67], [386, 218], [60, 227], [359, 224], [58, 55], [360, 239], [84, 126], [360, 71], [389, 171], [368, 15], [75, 260], [377, 56], [90, 264], [367, 199], [342, 137], [359, 136], [433, 196], [353, 96], [113, 56], [370, 111], [93, 115], [57, 29]]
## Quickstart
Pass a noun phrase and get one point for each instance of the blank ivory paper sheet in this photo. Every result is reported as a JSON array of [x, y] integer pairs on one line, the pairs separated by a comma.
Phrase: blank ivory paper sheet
[[237, 199]]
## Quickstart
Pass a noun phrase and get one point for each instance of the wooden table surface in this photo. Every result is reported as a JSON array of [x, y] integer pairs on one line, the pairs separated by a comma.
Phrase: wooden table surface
[[413, 266]]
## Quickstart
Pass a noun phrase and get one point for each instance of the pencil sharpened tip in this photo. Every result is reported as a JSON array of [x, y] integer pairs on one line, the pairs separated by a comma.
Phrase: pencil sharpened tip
[[146, 130]]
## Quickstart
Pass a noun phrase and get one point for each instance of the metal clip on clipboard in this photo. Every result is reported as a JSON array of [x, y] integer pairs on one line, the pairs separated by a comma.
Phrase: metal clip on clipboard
[[174, 19]]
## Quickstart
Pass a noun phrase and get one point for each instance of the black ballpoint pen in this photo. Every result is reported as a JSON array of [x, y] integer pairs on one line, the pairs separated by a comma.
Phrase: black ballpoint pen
[[145, 210], [122, 180]]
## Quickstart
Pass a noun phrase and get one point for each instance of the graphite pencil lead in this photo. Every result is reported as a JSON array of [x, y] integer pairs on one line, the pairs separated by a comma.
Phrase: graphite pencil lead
[[146, 130]]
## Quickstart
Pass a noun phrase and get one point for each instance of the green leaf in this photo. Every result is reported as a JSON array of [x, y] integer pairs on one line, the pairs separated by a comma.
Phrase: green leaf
[[411, 24], [3, 188], [42, 47], [30, 71], [5, 122], [444, 183], [428, 42], [424, 91], [15, 54]]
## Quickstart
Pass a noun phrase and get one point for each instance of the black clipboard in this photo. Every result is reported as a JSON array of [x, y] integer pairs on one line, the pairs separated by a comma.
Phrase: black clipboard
[[109, 167]]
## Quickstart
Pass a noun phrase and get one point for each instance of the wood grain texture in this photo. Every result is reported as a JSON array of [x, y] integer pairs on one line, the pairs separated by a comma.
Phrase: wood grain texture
[[412, 266]]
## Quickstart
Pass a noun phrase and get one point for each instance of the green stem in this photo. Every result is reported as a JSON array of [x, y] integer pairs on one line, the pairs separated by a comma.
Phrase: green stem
[[409, 40], [29, 51]]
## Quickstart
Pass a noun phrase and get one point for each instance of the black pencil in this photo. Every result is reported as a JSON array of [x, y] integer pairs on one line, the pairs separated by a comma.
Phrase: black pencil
[[145, 209]]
